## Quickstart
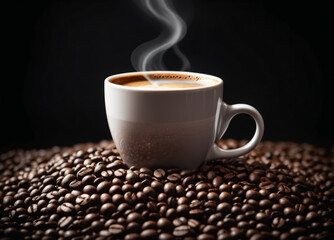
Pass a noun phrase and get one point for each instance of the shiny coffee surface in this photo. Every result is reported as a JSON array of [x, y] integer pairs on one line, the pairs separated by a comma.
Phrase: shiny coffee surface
[[172, 84], [164, 81]]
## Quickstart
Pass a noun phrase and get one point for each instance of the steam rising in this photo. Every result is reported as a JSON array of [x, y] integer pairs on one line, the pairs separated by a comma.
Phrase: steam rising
[[149, 56]]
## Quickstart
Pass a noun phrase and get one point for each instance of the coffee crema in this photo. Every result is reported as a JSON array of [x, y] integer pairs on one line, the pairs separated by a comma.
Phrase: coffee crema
[[163, 84], [164, 81]]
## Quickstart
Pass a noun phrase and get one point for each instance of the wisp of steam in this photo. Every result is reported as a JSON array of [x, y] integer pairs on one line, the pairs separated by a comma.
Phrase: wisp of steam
[[149, 56]]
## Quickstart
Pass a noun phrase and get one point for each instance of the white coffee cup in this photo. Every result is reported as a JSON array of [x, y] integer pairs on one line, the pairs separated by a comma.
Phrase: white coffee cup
[[172, 127]]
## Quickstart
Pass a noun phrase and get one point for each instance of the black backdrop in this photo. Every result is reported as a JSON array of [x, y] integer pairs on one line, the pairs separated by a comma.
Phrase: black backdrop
[[274, 55]]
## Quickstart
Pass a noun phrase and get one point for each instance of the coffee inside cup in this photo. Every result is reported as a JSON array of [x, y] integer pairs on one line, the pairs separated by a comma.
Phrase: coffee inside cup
[[163, 81]]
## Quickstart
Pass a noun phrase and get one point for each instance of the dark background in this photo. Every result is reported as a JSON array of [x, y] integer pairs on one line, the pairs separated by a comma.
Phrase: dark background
[[274, 55]]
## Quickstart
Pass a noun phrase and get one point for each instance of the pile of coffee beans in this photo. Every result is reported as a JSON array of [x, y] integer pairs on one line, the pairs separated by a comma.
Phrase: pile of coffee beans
[[279, 190]]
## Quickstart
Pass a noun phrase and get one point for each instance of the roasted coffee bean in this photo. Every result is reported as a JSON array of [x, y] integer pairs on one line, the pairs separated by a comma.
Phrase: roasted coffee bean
[[165, 224], [196, 213], [206, 236], [117, 199], [290, 212], [131, 177], [166, 236], [265, 203], [149, 191], [103, 187], [225, 197], [252, 194], [157, 186], [130, 197], [262, 217], [217, 181], [224, 207], [278, 222], [279, 191], [202, 187], [84, 172], [149, 225], [107, 209], [193, 223], [67, 208], [312, 216], [131, 236], [159, 173], [133, 227], [170, 189], [182, 209], [135, 217], [174, 177], [181, 231], [285, 202], [116, 229], [64, 222]]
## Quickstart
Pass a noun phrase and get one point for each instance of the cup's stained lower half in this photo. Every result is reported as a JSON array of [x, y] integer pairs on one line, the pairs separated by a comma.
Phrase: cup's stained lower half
[[181, 144]]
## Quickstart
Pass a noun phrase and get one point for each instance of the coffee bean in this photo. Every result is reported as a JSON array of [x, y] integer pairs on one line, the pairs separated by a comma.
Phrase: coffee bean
[[278, 222], [297, 231], [213, 196], [64, 222], [135, 217], [75, 184], [289, 212], [188, 180], [166, 236], [170, 188], [285, 202], [132, 236], [225, 197], [107, 209], [312, 216], [84, 195], [48, 188], [83, 172], [164, 224], [252, 194], [67, 179], [149, 191], [174, 177], [224, 207], [130, 197], [255, 178], [83, 200], [131, 177], [205, 236], [120, 173], [265, 203], [32, 209], [157, 186], [262, 217], [181, 231], [149, 225], [196, 213], [67, 208], [202, 187], [214, 218], [149, 234], [51, 208], [116, 229], [211, 229], [103, 187], [117, 199], [182, 209], [159, 173], [217, 181]]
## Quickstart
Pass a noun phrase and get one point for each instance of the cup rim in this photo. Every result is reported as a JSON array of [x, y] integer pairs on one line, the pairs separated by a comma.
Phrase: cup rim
[[203, 75]]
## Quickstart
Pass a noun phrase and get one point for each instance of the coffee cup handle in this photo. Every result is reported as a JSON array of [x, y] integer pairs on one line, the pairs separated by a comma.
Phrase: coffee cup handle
[[224, 115]]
